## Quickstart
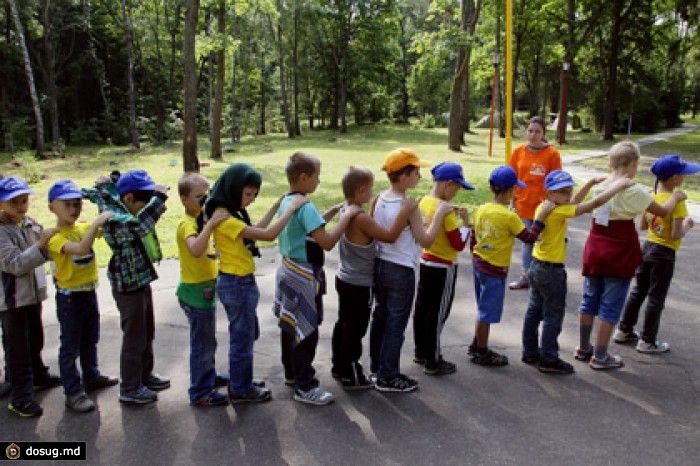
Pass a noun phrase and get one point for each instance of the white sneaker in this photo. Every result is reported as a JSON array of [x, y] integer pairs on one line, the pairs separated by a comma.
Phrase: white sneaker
[[624, 337], [315, 396], [611, 361], [653, 348]]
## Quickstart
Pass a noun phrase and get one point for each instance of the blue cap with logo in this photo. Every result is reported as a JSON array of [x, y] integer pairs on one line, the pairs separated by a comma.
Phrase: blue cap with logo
[[450, 171], [12, 187], [504, 177], [135, 180], [673, 164], [558, 179], [64, 189]]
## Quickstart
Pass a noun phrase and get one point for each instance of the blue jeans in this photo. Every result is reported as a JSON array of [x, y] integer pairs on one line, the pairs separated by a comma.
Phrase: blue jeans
[[79, 318], [394, 290], [604, 297], [240, 296], [527, 248], [202, 350], [546, 304]]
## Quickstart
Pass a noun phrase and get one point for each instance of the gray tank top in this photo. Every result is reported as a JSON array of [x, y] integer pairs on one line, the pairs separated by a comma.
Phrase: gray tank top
[[356, 262]]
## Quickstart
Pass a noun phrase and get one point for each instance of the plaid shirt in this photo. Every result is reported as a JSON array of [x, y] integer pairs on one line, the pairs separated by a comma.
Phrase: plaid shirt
[[132, 238]]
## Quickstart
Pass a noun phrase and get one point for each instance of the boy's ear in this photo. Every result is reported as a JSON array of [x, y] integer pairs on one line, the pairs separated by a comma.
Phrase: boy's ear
[[128, 198], [51, 207]]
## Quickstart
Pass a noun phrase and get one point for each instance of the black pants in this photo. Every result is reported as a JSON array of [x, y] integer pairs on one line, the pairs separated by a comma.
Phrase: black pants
[[652, 281], [24, 340], [138, 327], [354, 309], [298, 360], [436, 289]]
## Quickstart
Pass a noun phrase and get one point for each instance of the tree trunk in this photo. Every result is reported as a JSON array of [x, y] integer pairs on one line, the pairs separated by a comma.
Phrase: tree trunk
[[30, 81], [190, 162], [611, 79], [262, 91], [283, 82], [51, 87], [455, 135], [132, 92], [220, 80], [295, 71], [404, 43], [108, 124], [6, 120]]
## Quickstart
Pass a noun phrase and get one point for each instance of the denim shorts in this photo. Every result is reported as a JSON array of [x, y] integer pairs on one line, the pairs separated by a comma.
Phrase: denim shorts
[[490, 294], [604, 297]]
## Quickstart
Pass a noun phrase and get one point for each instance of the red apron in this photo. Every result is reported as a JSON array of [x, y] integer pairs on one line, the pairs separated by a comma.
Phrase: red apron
[[612, 251]]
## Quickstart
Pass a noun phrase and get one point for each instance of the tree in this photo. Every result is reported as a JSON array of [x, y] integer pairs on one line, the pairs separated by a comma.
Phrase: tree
[[135, 144], [216, 153], [190, 162]]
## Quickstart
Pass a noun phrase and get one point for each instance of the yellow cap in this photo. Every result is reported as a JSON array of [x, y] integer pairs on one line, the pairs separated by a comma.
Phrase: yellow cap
[[402, 157]]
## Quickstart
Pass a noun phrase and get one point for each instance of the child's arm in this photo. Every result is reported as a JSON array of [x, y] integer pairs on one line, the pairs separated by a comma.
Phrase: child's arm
[[144, 222], [270, 214], [643, 222], [330, 213], [680, 227], [425, 237], [605, 196], [581, 194], [17, 262], [327, 239], [197, 245], [269, 234], [530, 236], [371, 228], [669, 205], [85, 244]]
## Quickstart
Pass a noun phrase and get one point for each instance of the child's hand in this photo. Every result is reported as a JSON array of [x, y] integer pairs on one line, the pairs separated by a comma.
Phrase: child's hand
[[297, 202], [463, 212], [622, 183], [688, 223], [162, 188], [596, 180], [352, 210], [103, 217], [218, 216], [408, 205], [101, 179], [680, 195], [443, 209], [45, 236], [547, 207]]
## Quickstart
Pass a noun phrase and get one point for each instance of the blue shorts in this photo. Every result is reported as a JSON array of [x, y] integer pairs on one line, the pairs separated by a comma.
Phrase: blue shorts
[[490, 293], [604, 297]]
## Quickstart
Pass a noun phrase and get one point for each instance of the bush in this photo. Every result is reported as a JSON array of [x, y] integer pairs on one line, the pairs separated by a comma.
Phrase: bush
[[88, 132]]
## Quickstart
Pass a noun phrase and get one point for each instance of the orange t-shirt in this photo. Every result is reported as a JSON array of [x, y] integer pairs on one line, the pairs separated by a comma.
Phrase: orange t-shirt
[[532, 166]]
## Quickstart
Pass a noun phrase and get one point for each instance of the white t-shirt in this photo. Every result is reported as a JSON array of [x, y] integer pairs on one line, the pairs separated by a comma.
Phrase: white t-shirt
[[405, 250]]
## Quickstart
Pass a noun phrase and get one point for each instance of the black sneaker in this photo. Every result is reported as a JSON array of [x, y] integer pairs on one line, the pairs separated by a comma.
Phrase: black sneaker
[[397, 384], [138, 396], [555, 366], [26, 409], [157, 382], [5, 389], [490, 358], [221, 380], [356, 380], [471, 349], [530, 358], [441, 367], [258, 395], [213, 399], [101, 381], [46, 382]]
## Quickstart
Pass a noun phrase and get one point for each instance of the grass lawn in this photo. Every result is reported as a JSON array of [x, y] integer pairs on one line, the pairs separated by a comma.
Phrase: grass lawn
[[364, 146]]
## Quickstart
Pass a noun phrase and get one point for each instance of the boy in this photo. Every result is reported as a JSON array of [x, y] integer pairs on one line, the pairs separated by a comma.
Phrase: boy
[[75, 276], [196, 290], [547, 273], [138, 204], [438, 269], [653, 277], [300, 280], [22, 252], [355, 276], [395, 270], [612, 254], [491, 243]]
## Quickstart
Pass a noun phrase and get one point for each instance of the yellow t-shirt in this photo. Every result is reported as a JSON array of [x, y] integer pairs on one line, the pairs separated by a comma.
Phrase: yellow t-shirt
[[441, 247], [551, 245], [234, 257], [626, 204], [194, 269], [72, 271], [496, 227], [660, 227]]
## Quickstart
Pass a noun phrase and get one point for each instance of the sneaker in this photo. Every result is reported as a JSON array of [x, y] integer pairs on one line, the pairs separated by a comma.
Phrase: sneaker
[[221, 380], [611, 361], [625, 337], [490, 358], [49, 381], [80, 403], [397, 384], [290, 382], [138, 396], [522, 283], [419, 360], [214, 398], [653, 348], [356, 379], [335, 373], [471, 349], [373, 378], [258, 395], [101, 381], [583, 355], [531, 359], [556, 366], [26, 409], [5, 389], [157, 382], [441, 367], [315, 396]]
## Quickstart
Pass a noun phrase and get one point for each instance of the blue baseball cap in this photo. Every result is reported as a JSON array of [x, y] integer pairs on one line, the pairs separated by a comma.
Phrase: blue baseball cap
[[135, 180], [672, 164], [558, 179], [64, 189], [13, 186], [504, 177], [449, 171]]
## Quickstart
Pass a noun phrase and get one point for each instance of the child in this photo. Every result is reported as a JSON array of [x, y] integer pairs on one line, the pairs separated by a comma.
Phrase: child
[[653, 277], [491, 242], [438, 269], [233, 192], [547, 298], [300, 281], [355, 276], [612, 254], [196, 291], [395, 270], [138, 203], [75, 276], [531, 161], [22, 252]]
